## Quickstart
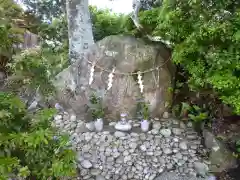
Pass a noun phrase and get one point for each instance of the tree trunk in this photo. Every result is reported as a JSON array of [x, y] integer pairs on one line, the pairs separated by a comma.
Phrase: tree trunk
[[79, 29], [80, 39]]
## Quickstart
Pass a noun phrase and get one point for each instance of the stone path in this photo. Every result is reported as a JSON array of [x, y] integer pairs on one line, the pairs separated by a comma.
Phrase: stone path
[[171, 146]]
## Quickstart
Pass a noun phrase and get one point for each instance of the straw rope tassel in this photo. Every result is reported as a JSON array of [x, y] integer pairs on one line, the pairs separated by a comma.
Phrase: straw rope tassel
[[140, 81], [110, 79], [91, 73]]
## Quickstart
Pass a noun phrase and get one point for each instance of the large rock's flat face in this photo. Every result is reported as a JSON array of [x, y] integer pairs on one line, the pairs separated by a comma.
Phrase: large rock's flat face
[[126, 54]]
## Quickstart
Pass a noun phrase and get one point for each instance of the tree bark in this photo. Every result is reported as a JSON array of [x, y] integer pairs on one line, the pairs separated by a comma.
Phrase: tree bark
[[79, 29], [80, 39]]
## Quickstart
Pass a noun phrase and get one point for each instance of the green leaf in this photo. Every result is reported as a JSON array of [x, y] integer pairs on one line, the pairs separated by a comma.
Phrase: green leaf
[[238, 150], [24, 172], [238, 143]]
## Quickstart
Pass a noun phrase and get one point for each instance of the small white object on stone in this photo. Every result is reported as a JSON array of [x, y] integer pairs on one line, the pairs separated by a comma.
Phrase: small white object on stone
[[86, 164], [90, 126], [73, 118], [145, 125], [58, 117], [98, 124], [123, 127], [166, 132], [165, 115], [59, 107]]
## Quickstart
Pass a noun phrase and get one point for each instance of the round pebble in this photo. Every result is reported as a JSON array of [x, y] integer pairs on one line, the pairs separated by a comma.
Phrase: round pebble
[[166, 132]]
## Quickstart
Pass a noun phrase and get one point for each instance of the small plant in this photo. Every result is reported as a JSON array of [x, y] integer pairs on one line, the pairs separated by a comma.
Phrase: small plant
[[238, 146], [96, 107], [193, 113], [196, 115], [184, 110], [142, 109], [146, 114]]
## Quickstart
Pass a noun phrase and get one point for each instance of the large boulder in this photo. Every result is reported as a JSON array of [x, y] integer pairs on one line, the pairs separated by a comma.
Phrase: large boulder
[[126, 54]]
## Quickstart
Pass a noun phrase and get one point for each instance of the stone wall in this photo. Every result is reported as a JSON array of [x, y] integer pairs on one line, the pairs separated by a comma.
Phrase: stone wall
[[171, 146], [126, 54]]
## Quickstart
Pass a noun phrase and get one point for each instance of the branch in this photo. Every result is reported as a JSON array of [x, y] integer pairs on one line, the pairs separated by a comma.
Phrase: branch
[[137, 5]]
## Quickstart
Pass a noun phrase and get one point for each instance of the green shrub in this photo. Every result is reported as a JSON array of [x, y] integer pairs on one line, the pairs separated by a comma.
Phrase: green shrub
[[10, 33], [29, 146], [192, 112], [35, 69], [205, 41]]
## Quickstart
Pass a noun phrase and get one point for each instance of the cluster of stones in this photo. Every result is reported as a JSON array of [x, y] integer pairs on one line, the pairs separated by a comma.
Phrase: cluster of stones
[[169, 146]]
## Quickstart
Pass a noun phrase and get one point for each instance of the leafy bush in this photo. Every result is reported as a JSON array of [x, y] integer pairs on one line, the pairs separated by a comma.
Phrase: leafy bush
[[30, 147], [46, 9], [10, 33], [191, 112], [54, 35], [206, 43], [106, 23], [36, 68]]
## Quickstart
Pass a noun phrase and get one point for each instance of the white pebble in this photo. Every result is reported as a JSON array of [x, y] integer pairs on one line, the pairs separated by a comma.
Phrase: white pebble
[[73, 118], [119, 134], [90, 126], [183, 145], [86, 164], [166, 132], [58, 117], [143, 148]]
